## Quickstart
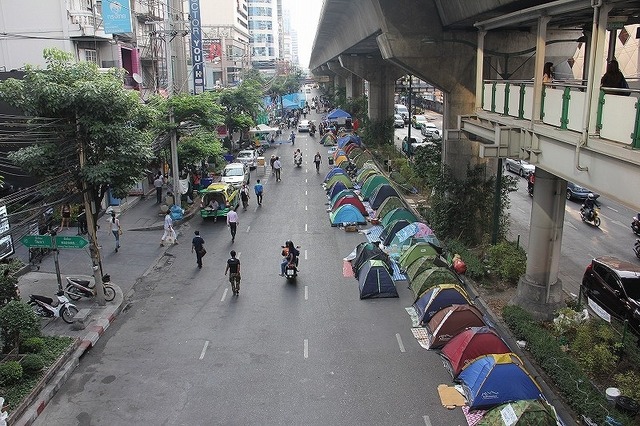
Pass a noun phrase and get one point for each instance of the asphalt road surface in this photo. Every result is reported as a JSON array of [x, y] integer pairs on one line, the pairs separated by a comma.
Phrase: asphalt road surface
[[187, 352]]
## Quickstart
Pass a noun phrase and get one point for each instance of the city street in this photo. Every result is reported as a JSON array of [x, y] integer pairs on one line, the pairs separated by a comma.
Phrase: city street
[[310, 352]]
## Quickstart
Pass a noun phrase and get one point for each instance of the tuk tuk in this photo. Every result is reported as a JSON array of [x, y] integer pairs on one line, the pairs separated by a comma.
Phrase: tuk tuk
[[262, 135], [218, 199]]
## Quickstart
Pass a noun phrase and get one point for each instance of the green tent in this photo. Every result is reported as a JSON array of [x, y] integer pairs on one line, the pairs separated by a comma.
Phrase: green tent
[[354, 153], [420, 265], [432, 277], [341, 194], [339, 178], [398, 213], [369, 186], [363, 158], [328, 139], [364, 173], [343, 164], [389, 204], [415, 252], [526, 412]]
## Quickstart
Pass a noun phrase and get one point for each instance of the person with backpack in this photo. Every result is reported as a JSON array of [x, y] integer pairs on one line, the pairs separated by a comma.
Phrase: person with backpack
[[317, 159], [233, 267], [244, 196]]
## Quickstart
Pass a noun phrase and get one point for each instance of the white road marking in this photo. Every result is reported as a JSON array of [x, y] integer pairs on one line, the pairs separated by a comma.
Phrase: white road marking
[[305, 227], [306, 170], [306, 292], [305, 255], [306, 207], [305, 193], [399, 339], [611, 208], [306, 180], [618, 223], [224, 294], [427, 421], [204, 349], [521, 210], [306, 348], [248, 228], [571, 225]]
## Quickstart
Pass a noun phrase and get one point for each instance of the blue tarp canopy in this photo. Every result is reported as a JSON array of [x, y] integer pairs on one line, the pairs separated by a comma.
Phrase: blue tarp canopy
[[338, 113]]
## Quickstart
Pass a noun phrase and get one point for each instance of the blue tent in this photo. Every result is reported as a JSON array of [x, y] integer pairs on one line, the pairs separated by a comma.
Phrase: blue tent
[[375, 281], [380, 194], [339, 186], [338, 113], [347, 214], [334, 171], [496, 379], [349, 138], [439, 297]]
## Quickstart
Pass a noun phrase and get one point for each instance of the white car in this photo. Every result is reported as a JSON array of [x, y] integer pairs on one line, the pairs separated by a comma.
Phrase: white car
[[418, 120], [518, 166], [429, 130], [303, 125], [236, 174], [398, 121], [248, 157]]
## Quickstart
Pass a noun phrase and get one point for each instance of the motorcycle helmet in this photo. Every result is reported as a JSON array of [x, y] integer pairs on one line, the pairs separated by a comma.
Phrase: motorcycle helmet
[[590, 196]]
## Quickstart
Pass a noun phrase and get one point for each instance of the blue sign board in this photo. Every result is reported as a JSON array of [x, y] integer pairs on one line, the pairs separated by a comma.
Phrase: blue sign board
[[116, 16], [197, 56]]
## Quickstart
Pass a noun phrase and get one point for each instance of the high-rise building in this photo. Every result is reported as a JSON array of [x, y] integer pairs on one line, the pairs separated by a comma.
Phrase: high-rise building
[[264, 28], [225, 41]]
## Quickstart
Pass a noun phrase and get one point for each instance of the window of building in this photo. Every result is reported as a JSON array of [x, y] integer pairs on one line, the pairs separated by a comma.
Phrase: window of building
[[89, 55]]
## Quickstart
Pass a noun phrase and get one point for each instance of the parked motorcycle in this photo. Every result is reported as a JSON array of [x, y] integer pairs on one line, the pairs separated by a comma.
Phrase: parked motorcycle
[[636, 248], [80, 287], [635, 224], [53, 308], [590, 215]]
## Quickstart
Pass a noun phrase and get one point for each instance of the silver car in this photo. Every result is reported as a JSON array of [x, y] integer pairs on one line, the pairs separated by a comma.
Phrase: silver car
[[248, 157], [518, 166], [398, 121]]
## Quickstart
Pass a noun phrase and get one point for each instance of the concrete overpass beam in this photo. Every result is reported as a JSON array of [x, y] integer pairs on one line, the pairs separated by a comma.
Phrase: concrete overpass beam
[[540, 289], [381, 76]]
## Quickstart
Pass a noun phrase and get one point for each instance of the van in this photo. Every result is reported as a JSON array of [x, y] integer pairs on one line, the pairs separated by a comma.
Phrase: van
[[403, 111]]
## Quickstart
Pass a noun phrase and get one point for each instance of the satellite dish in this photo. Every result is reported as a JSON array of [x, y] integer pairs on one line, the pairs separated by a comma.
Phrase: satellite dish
[[137, 78]]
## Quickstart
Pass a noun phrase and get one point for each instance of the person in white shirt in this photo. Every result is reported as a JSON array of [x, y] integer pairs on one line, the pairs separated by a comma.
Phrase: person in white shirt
[[168, 230], [277, 166], [232, 223]]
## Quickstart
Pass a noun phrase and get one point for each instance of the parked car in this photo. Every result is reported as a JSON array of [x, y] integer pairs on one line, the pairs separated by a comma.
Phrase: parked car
[[398, 121], [227, 196], [429, 130], [518, 166], [402, 111], [248, 157], [304, 125], [236, 174], [576, 192], [614, 284], [418, 120], [409, 146]]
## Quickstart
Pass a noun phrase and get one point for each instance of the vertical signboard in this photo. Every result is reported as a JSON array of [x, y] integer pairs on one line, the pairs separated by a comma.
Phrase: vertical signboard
[[116, 16], [197, 58], [6, 243], [212, 49]]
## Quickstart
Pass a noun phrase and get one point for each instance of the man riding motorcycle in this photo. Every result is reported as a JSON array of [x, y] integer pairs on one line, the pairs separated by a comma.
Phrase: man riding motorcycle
[[297, 158], [589, 205], [290, 253]]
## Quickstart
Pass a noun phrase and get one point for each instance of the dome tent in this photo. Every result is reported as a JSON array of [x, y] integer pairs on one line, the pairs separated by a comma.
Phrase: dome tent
[[328, 139], [449, 322], [375, 281], [362, 158], [334, 171], [370, 185], [380, 194], [439, 297], [497, 379], [353, 200], [339, 178], [430, 278], [472, 343], [527, 412], [340, 194], [335, 189], [398, 213], [423, 263], [368, 251], [349, 138], [389, 204], [346, 214], [349, 147], [364, 173], [392, 228], [415, 252]]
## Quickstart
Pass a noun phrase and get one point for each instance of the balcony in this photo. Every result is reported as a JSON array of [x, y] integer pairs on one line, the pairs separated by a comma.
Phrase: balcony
[[84, 24]]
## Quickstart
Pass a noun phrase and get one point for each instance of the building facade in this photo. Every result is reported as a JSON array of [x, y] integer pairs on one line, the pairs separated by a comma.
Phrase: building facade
[[265, 29]]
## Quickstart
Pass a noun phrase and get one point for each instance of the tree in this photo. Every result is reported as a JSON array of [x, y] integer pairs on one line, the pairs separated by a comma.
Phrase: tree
[[94, 112], [241, 105]]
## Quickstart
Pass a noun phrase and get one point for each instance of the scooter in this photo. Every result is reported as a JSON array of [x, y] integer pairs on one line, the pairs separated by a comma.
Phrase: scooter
[[635, 224], [298, 161], [595, 217], [47, 307], [636, 248], [86, 287], [291, 271]]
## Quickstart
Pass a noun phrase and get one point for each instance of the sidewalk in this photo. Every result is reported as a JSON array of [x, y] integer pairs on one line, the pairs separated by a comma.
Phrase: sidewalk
[[142, 224]]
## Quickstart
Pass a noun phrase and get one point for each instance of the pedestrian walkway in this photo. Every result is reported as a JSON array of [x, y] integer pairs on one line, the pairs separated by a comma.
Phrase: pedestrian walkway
[[142, 224]]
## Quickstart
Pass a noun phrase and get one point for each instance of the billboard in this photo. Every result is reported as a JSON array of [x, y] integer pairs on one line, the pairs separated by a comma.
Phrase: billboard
[[6, 243], [116, 16], [197, 56], [212, 49]]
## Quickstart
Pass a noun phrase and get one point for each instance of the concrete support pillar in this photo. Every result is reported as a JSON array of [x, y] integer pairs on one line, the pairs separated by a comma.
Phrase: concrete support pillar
[[540, 289], [355, 86], [338, 82], [381, 76]]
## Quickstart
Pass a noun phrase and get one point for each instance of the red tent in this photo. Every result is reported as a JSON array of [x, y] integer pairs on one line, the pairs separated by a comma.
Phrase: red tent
[[451, 321], [472, 343], [349, 147], [353, 200]]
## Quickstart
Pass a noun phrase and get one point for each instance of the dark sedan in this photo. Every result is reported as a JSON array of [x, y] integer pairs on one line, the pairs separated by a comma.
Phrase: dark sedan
[[576, 192]]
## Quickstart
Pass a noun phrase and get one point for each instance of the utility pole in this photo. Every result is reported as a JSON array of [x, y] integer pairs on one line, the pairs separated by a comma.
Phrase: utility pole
[[178, 46], [171, 90]]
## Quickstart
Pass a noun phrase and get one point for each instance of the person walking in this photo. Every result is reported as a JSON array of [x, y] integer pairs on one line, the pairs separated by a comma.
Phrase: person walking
[[292, 138], [258, 188], [233, 268], [317, 159], [65, 212], [168, 230], [277, 167], [158, 183], [114, 227], [244, 196], [197, 245], [271, 161], [232, 223]]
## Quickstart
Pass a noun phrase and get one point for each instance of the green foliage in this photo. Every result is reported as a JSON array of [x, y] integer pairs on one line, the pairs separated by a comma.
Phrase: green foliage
[[8, 286], [91, 108], [567, 321], [379, 132], [508, 261], [428, 162], [17, 320], [628, 383], [11, 266], [241, 105], [593, 347], [476, 269], [32, 345], [198, 146], [10, 372], [32, 363], [357, 107]]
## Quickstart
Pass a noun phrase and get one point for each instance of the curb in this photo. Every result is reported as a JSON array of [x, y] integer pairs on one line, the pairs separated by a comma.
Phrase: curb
[[95, 329]]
